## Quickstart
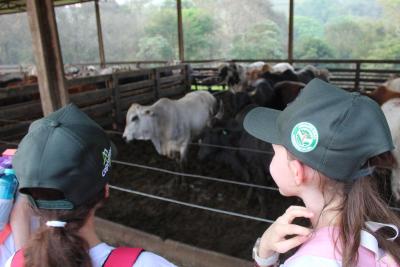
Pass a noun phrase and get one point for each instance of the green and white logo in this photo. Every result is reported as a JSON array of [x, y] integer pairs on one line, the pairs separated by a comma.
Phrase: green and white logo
[[106, 161], [304, 137]]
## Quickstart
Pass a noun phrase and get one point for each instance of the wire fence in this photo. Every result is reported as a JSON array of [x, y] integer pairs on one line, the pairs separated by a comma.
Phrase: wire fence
[[191, 205], [234, 148], [215, 146], [186, 204], [195, 175]]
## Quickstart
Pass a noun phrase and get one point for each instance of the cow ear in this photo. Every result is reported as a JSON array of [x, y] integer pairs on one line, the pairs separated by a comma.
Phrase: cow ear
[[149, 112]]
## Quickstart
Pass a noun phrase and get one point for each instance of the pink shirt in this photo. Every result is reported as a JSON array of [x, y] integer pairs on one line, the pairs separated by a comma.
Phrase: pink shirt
[[320, 251]]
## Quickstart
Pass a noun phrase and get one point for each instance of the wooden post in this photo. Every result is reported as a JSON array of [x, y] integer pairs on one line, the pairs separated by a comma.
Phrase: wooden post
[[156, 77], [180, 31], [117, 100], [100, 35], [290, 36], [46, 47], [187, 83], [357, 78]]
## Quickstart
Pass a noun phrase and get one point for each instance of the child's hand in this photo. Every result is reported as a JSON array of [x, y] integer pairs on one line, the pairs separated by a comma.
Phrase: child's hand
[[273, 239]]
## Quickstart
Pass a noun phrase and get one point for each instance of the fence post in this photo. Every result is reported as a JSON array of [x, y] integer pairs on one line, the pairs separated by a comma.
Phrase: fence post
[[156, 77], [188, 77], [357, 78], [117, 100]]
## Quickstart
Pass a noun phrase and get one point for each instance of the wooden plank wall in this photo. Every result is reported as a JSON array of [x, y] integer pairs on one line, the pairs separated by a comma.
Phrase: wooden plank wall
[[104, 98], [18, 107], [360, 79]]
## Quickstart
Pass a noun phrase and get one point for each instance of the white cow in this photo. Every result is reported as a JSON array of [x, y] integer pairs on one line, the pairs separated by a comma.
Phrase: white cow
[[172, 124], [393, 84], [391, 109], [282, 67]]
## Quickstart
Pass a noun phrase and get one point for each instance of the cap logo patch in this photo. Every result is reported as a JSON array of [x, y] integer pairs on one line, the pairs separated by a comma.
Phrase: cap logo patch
[[106, 161], [304, 137]]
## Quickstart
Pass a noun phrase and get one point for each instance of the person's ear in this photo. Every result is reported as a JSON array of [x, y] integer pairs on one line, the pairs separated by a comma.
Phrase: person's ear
[[106, 192], [298, 171]]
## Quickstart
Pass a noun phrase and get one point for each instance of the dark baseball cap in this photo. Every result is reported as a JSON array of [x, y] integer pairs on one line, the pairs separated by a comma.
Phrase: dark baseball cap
[[327, 128], [64, 151]]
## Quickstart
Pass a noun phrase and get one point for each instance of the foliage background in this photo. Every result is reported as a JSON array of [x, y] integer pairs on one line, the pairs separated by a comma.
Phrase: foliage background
[[215, 29]]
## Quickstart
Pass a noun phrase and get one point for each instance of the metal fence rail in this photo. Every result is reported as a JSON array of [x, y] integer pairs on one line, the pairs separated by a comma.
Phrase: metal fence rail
[[192, 205], [216, 146], [194, 175]]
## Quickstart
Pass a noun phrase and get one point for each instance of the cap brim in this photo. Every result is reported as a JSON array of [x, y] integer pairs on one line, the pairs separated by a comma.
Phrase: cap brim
[[262, 123]]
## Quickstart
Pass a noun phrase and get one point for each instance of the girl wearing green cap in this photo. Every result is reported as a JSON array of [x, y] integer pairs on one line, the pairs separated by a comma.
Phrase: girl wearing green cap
[[63, 165], [330, 147]]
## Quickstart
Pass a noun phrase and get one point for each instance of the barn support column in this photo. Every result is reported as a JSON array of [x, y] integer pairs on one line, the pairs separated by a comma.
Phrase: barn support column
[[100, 35], [180, 31], [46, 47], [290, 36]]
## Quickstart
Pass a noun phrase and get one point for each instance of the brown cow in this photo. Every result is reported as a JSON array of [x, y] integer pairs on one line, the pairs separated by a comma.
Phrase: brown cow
[[382, 94]]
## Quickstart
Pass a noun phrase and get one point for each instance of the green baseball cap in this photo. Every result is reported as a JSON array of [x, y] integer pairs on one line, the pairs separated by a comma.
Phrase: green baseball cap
[[66, 151], [327, 128]]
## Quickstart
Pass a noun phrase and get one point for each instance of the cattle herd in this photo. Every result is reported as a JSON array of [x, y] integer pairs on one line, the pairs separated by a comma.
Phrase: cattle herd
[[215, 120]]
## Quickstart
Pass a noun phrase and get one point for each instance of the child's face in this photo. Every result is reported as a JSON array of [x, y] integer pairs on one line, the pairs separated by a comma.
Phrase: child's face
[[281, 172]]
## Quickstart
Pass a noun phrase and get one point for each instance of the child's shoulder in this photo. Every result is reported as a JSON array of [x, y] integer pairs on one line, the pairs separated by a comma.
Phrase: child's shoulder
[[323, 249], [321, 245]]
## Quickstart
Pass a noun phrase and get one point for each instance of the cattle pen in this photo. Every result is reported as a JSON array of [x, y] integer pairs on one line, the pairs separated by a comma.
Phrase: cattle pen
[[203, 224], [104, 103]]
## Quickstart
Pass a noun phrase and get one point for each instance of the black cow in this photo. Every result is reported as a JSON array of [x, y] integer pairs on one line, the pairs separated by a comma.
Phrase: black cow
[[304, 75], [251, 166], [309, 72], [285, 92], [275, 77]]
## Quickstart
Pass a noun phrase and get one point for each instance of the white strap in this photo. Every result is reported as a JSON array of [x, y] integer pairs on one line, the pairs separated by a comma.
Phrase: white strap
[[375, 226], [370, 242], [59, 224]]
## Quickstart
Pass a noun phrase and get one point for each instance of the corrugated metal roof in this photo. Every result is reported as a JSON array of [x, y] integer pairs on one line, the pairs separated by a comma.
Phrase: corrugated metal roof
[[15, 6]]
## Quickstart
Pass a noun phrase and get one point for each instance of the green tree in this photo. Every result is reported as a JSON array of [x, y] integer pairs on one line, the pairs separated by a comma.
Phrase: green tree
[[78, 33], [345, 36], [155, 48], [198, 34], [260, 42], [163, 22], [15, 40], [387, 49], [307, 27], [198, 31], [120, 30], [313, 48]]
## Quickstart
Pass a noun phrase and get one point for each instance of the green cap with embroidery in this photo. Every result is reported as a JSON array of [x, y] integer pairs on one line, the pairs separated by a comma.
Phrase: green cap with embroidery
[[65, 151], [327, 128]]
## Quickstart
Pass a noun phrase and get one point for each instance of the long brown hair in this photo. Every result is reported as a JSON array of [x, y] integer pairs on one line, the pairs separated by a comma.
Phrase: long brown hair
[[362, 202], [54, 246]]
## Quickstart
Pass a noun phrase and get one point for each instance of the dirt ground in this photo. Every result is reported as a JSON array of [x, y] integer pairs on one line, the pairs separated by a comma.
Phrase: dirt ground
[[205, 229]]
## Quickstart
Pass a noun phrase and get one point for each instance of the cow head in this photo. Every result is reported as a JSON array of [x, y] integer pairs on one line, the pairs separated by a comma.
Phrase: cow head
[[140, 123], [229, 74]]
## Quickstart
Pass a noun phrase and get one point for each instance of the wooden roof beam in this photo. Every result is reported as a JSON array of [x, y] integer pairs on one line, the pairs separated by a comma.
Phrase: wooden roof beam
[[46, 47]]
